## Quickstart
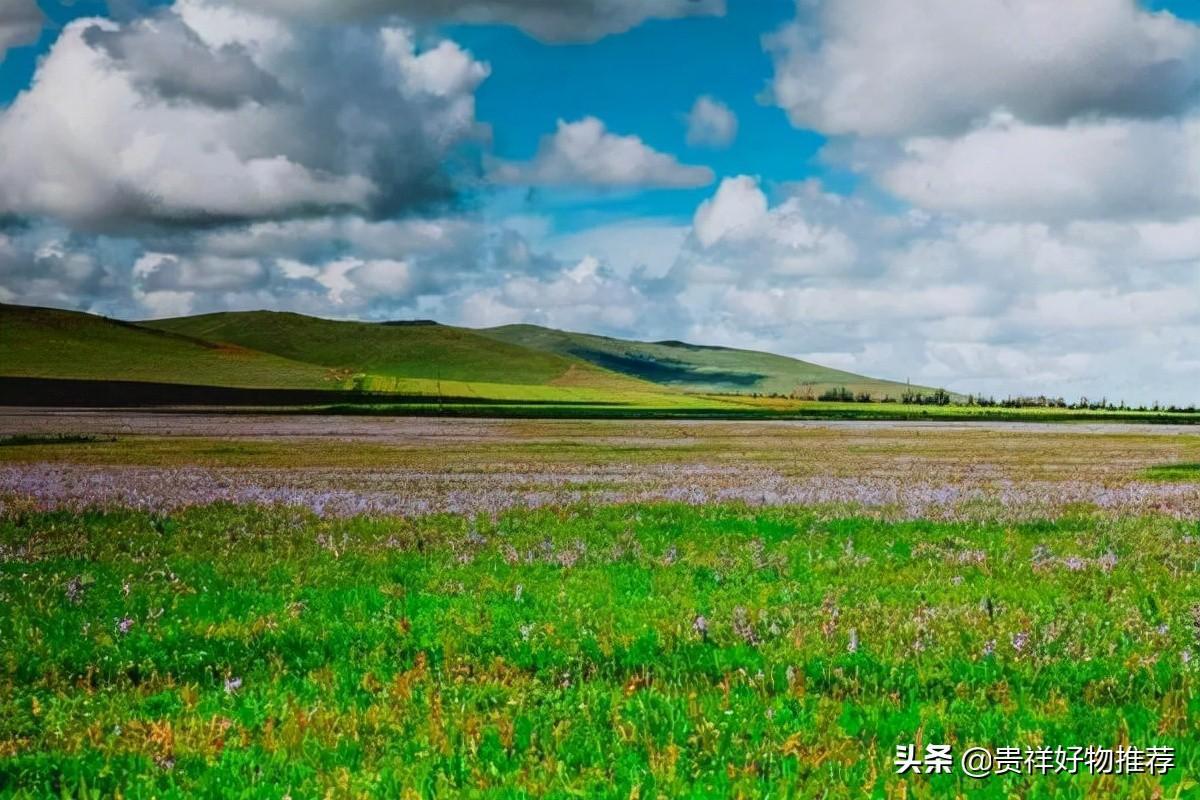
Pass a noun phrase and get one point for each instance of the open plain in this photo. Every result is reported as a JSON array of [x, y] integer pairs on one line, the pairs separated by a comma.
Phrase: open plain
[[270, 605]]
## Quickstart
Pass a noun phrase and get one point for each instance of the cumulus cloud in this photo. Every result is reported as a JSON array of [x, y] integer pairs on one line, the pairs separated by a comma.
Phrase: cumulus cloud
[[738, 208], [1095, 169], [711, 123], [201, 115], [49, 266], [585, 296], [552, 21], [986, 306], [21, 22], [585, 153], [891, 68], [167, 60]]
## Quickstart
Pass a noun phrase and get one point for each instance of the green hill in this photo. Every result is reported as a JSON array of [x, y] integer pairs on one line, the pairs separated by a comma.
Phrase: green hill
[[275, 350], [49, 343], [698, 368], [421, 351]]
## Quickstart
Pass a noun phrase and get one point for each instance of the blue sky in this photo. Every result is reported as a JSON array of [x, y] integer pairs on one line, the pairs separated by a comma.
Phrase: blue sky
[[997, 195]]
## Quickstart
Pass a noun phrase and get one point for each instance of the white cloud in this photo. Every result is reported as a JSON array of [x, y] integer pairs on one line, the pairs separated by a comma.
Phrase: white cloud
[[585, 153], [997, 307], [241, 120], [641, 246], [891, 68], [711, 123], [21, 22], [1093, 169], [737, 209], [547, 20], [583, 297]]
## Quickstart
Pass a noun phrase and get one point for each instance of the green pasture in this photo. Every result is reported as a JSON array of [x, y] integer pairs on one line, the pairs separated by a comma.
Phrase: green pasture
[[629, 651]]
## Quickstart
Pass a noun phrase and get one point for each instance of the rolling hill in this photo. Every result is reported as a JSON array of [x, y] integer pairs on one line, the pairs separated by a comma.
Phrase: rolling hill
[[698, 368], [399, 356], [264, 350], [49, 343]]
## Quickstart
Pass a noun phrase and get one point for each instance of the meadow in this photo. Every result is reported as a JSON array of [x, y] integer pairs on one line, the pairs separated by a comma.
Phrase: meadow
[[206, 605]]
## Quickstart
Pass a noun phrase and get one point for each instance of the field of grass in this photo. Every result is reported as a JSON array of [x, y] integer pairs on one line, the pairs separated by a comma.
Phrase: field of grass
[[218, 605], [645, 651]]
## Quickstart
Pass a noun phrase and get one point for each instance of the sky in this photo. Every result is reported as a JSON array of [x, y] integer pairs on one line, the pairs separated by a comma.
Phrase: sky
[[996, 196]]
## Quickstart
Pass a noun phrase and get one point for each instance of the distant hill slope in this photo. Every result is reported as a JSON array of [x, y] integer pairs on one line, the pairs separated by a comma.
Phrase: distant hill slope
[[49, 343], [423, 350], [698, 368], [274, 350]]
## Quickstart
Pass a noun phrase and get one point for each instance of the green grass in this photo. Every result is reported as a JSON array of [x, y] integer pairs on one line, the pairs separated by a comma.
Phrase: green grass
[[696, 368], [556, 653], [1174, 472], [48, 343], [643, 405], [429, 352]]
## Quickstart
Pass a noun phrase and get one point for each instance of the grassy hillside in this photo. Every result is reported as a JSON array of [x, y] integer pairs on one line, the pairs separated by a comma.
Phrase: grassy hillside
[[391, 356], [49, 343], [272, 350], [696, 368]]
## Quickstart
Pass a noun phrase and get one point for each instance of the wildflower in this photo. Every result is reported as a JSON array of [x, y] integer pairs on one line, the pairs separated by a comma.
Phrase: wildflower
[[742, 626], [970, 557], [1107, 561], [232, 685], [520, 590], [1020, 640], [989, 648], [700, 626], [957, 580], [670, 556], [125, 626], [526, 631], [75, 589]]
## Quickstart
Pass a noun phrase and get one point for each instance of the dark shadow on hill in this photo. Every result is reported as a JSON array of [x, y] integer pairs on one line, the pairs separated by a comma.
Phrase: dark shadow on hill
[[53, 392], [666, 371]]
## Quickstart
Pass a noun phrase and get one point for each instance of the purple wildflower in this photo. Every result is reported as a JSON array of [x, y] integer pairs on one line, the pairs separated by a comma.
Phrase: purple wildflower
[[125, 626], [75, 590], [742, 626]]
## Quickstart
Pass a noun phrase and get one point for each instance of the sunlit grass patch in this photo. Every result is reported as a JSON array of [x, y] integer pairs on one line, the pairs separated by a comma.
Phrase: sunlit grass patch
[[606, 651], [1173, 472]]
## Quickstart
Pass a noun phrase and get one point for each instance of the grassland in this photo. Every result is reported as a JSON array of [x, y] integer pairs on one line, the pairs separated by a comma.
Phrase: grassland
[[208, 605], [647, 651]]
